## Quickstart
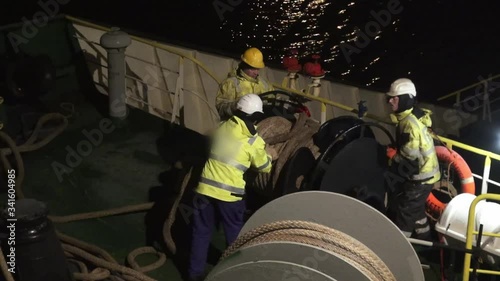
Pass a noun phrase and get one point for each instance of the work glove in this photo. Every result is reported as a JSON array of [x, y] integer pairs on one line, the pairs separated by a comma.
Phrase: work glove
[[391, 152], [272, 152]]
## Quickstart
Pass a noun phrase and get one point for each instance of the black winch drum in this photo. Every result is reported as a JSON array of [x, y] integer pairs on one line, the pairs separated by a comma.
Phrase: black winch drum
[[38, 253], [297, 167], [332, 137], [333, 128], [362, 163]]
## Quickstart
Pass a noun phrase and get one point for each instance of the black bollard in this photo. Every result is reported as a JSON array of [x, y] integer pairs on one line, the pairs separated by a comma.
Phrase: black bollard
[[30, 245]]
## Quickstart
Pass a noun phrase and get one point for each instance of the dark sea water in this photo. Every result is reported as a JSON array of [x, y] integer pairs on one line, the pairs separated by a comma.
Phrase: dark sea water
[[441, 45]]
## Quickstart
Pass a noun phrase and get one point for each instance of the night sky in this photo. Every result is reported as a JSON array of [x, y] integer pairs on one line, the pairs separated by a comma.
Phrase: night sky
[[442, 46]]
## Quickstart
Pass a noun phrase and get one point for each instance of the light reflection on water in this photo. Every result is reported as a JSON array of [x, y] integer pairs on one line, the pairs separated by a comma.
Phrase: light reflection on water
[[414, 43], [331, 29]]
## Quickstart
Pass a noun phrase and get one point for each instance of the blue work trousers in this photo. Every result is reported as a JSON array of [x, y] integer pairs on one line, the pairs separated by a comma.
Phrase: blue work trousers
[[207, 214]]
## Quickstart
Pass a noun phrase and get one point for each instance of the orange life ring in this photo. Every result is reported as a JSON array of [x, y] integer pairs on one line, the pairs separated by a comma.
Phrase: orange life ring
[[436, 207]]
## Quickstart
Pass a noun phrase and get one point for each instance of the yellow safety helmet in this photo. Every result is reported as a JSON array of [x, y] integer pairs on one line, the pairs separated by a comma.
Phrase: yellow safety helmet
[[253, 57]]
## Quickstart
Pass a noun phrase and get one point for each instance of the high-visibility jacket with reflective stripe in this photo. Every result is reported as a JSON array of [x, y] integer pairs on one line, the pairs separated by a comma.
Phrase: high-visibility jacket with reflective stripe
[[234, 150], [236, 85], [416, 154]]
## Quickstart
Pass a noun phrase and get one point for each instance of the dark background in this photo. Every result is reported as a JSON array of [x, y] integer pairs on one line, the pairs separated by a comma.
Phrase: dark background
[[441, 45]]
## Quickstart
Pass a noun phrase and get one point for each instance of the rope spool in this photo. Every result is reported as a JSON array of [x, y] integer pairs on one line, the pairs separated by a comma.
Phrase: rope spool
[[308, 232], [104, 263], [321, 236], [286, 138], [269, 128], [278, 132]]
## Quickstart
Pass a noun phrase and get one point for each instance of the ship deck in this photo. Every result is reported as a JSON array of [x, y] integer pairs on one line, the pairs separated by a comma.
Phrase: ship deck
[[131, 165]]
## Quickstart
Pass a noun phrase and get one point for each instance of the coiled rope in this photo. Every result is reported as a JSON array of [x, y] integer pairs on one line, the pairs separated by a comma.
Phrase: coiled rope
[[276, 131], [286, 138], [345, 246], [103, 262]]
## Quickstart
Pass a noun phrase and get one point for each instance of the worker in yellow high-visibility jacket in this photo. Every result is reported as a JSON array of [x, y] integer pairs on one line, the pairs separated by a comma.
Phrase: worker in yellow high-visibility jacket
[[414, 159], [236, 147], [242, 81]]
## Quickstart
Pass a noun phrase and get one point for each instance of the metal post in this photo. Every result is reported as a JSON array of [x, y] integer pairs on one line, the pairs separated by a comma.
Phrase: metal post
[[292, 76], [486, 175], [316, 85], [115, 42], [37, 253], [323, 113]]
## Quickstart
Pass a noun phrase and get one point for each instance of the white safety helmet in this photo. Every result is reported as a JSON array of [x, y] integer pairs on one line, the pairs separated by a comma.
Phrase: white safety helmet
[[402, 86], [250, 104]]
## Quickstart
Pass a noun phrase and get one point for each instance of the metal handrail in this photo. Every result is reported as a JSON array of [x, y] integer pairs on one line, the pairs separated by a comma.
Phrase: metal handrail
[[449, 142], [148, 42], [467, 88], [471, 232], [214, 113], [488, 156], [332, 103], [470, 148], [323, 101], [200, 64]]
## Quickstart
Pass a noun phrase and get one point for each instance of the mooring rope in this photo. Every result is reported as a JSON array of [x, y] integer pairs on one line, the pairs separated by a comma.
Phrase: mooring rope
[[104, 262], [277, 131], [314, 234], [286, 138]]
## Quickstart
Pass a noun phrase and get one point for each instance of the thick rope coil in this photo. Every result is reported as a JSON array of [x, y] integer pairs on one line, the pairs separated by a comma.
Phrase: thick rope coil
[[105, 265], [286, 138], [169, 222], [5, 269], [96, 274], [317, 235], [145, 250], [277, 131], [298, 139]]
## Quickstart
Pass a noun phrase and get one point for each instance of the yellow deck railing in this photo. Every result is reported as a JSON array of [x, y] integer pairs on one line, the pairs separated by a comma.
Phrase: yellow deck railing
[[324, 102], [458, 93], [209, 72], [488, 156], [483, 98], [149, 42], [449, 142], [470, 235]]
